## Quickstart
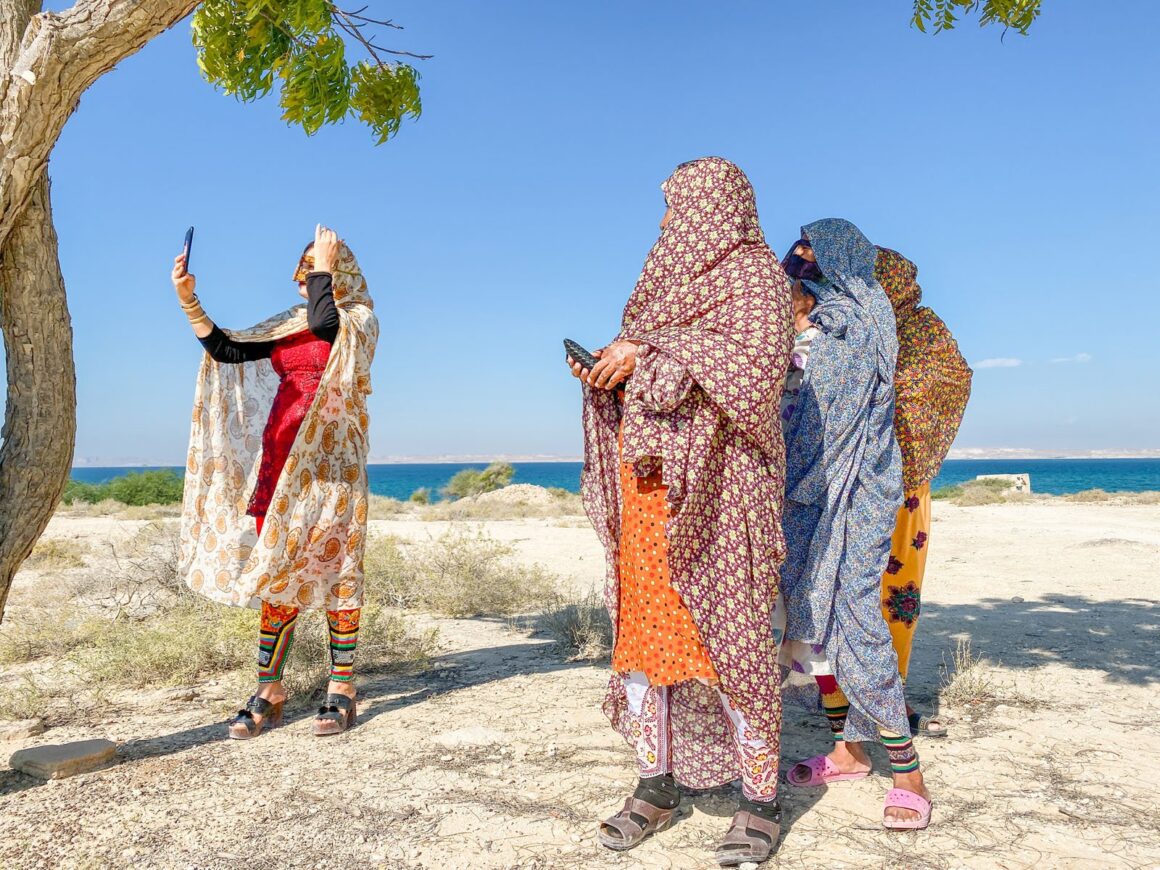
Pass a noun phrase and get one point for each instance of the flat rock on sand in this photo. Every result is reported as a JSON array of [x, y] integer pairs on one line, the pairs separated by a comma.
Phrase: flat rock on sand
[[64, 759]]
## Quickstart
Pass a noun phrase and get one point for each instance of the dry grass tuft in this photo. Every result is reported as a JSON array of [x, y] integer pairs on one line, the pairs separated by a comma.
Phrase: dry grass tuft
[[974, 493], [119, 510], [1099, 496], [144, 627], [383, 508], [580, 627], [55, 554], [966, 679], [521, 501], [459, 574]]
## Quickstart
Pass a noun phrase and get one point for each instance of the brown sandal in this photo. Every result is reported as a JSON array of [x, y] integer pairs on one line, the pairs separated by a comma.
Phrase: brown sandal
[[335, 716], [244, 726], [751, 839], [623, 831]]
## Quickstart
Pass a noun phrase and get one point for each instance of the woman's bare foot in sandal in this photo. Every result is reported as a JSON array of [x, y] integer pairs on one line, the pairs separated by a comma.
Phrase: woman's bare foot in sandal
[[911, 782], [848, 758], [264, 709], [339, 712], [650, 810]]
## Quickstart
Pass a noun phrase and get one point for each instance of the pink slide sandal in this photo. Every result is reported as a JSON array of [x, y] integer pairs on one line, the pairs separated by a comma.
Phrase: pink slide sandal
[[822, 772], [907, 800]]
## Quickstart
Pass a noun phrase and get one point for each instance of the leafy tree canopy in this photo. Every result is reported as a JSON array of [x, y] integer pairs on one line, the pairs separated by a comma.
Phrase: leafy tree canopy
[[302, 47], [943, 15]]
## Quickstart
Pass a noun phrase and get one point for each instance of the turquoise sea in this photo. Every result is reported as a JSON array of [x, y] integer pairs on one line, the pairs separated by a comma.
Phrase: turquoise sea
[[1054, 476]]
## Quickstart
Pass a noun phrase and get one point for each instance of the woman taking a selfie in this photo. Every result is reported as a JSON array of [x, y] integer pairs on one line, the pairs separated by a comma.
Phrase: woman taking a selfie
[[275, 507], [683, 477]]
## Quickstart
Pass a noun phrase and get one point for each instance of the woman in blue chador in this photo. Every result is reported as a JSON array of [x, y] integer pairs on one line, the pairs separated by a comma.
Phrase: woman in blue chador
[[843, 488]]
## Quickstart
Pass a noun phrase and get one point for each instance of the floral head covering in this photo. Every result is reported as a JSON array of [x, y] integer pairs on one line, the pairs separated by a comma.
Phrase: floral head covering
[[932, 381]]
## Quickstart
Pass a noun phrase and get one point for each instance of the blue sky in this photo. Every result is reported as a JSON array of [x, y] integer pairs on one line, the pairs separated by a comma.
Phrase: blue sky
[[1019, 175]]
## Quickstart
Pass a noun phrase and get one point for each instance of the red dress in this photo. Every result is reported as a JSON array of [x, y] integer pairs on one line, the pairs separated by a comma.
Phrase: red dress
[[299, 360]]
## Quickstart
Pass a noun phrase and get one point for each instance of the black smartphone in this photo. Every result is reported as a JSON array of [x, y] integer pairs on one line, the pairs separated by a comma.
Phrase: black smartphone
[[188, 247], [579, 354]]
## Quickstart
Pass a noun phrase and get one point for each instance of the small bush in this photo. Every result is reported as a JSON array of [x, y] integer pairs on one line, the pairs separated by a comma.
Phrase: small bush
[[54, 554], [473, 481], [421, 496], [946, 493], [521, 501], [192, 640], [966, 680], [458, 574], [581, 628], [136, 488], [1090, 496], [973, 493], [382, 508], [45, 631]]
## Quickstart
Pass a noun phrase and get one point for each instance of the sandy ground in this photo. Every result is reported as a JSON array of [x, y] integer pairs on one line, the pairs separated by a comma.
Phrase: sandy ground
[[497, 755]]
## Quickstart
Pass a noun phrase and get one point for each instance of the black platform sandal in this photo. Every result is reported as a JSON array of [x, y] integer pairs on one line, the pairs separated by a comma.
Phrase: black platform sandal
[[244, 726], [335, 716]]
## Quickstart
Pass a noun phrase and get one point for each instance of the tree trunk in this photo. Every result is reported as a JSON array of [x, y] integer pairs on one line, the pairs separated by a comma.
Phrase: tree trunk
[[47, 60], [40, 417]]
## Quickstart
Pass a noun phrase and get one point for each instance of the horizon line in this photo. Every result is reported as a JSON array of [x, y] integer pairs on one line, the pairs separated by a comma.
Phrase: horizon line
[[957, 453]]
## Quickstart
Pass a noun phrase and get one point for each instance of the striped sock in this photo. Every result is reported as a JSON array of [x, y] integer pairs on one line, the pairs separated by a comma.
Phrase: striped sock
[[903, 758], [343, 640], [274, 641]]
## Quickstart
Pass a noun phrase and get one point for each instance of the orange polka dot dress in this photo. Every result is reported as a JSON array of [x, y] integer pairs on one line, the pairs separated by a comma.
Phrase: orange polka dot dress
[[656, 633]]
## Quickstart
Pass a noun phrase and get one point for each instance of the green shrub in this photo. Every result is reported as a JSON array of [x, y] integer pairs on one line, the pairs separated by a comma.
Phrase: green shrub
[[473, 481], [947, 493], [458, 574], [421, 496], [136, 488]]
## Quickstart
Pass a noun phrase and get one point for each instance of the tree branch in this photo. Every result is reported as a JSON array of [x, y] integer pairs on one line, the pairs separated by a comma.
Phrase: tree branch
[[60, 55], [348, 22]]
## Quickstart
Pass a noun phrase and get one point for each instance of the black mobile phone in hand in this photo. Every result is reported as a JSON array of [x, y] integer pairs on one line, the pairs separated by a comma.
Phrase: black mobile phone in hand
[[579, 354], [188, 247]]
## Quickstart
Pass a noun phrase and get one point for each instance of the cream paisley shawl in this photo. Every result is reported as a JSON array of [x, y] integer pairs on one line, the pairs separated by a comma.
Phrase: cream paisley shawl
[[311, 551]]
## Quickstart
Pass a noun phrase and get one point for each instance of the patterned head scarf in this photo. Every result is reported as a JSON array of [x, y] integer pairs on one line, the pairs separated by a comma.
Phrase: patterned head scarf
[[711, 311], [932, 381], [713, 211], [310, 554]]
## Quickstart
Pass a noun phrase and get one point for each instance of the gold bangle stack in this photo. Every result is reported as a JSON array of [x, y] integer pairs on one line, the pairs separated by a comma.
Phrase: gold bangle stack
[[194, 311]]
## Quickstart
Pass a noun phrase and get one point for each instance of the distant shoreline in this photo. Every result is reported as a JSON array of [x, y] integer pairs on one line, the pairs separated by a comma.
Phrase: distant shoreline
[[958, 454]]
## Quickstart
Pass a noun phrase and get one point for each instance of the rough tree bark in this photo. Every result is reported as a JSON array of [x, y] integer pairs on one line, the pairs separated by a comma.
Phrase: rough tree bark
[[47, 60], [40, 419]]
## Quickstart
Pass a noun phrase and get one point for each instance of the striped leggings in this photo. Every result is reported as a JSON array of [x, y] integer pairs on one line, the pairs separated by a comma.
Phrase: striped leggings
[[277, 636]]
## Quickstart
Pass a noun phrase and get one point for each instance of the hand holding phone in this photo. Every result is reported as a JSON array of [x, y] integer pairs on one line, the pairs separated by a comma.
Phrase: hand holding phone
[[188, 249], [579, 354]]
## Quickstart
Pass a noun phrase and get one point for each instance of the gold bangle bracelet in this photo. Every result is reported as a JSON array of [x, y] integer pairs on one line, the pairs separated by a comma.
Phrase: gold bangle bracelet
[[191, 304], [203, 318]]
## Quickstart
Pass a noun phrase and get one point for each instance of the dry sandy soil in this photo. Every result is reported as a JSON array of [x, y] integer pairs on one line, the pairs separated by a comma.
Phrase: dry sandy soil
[[496, 756]]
